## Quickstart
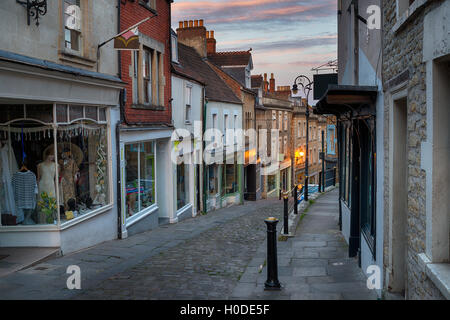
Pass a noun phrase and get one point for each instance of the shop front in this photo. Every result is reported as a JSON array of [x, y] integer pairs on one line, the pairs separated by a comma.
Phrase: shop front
[[146, 174], [57, 176]]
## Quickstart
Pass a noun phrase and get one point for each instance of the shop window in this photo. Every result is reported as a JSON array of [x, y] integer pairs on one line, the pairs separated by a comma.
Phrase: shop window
[[51, 172], [72, 24], [271, 183], [182, 185], [212, 180], [140, 176], [231, 179]]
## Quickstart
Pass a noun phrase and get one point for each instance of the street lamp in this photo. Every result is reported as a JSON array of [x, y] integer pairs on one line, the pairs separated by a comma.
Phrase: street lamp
[[306, 86]]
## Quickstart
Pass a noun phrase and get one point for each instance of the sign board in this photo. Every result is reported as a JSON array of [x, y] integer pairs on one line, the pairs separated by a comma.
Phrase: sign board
[[321, 82]]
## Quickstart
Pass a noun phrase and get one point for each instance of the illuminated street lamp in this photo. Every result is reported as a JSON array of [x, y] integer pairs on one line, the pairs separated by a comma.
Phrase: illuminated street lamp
[[306, 86]]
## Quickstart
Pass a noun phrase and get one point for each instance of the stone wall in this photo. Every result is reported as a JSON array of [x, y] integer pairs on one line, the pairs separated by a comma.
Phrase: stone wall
[[402, 61]]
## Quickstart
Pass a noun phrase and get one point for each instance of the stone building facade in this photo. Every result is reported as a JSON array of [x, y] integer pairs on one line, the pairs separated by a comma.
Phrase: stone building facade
[[416, 78]]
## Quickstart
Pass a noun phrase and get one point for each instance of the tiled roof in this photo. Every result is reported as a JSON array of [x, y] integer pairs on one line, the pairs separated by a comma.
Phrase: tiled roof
[[191, 65], [230, 58]]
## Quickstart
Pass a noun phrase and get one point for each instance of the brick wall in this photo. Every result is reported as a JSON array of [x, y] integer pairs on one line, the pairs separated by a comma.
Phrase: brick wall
[[157, 28], [402, 50]]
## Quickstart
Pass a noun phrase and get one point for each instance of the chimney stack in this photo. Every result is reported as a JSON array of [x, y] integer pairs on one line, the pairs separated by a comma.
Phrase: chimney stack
[[192, 33], [272, 83], [210, 42], [266, 84]]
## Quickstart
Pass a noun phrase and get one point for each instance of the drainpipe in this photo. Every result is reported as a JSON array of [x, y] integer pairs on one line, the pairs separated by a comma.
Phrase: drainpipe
[[205, 187], [119, 189]]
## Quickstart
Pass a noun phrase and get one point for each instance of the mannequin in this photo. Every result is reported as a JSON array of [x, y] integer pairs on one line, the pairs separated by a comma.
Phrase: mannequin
[[46, 172], [69, 172]]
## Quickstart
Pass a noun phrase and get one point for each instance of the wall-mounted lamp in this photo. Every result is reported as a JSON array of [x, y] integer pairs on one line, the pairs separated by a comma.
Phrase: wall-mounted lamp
[[35, 8]]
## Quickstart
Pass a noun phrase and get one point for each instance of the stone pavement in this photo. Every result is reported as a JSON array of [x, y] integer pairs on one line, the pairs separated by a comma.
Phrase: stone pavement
[[312, 265]]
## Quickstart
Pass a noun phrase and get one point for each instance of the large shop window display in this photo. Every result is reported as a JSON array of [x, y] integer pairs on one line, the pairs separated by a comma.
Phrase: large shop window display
[[140, 176], [53, 163]]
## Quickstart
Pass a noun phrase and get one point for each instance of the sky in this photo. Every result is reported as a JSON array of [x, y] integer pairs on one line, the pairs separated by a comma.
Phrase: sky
[[287, 37]]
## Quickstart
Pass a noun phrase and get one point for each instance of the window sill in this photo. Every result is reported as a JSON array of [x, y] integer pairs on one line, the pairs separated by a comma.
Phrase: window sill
[[406, 16], [85, 217], [72, 56], [439, 274], [148, 107], [146, 6], [141, 215]]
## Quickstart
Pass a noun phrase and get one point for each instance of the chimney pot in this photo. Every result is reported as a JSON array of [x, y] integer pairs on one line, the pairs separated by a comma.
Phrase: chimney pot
[[212, 34], [185, 24], [201, 22], [195, 23], [207, 34], [191, 23], [180, 24]]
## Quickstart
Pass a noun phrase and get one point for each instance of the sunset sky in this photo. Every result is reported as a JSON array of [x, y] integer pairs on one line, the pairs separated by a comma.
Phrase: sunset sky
[[288, 37]]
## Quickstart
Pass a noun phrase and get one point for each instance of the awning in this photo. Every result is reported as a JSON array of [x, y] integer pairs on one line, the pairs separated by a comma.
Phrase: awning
[[339, 99]]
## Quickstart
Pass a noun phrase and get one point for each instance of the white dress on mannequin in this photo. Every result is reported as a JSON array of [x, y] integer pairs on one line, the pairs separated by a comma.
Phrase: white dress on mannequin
[[47, 172]]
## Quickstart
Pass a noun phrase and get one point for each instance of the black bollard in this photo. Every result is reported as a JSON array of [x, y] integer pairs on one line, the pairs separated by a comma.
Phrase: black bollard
[[320, 182], [295, 199], [286, 215], [272, 282], [306, 189], [334, 176]]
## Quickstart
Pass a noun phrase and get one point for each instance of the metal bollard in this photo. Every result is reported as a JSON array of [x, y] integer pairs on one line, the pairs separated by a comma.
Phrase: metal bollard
[[306, 189], [272, 282], [320, 181], [295, 199], [285, 215], [334, 176]]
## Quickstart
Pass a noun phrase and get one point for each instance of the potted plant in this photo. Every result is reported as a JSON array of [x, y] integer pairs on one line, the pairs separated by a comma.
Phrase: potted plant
[[48, 207]]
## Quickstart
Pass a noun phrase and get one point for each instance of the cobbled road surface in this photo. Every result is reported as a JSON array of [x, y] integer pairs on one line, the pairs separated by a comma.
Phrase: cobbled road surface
[[205, 266]]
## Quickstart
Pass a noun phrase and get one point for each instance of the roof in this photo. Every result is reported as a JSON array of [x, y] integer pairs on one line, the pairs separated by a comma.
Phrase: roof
[[191, 65], [44, 64], [230, 58]]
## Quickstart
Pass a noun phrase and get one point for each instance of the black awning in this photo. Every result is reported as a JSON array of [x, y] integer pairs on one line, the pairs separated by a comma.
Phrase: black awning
[[339, 99]]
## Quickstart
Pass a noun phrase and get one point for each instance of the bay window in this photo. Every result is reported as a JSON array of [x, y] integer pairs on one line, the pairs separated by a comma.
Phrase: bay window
[[54, 163]]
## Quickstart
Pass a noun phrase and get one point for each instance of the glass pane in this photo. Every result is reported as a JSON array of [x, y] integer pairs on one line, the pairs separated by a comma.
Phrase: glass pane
[[11, 112], [91, 113], [102, 114], [76, 112], [147, 175], [83, 170], [132, 178], [271, 185], [27, 171], [231, 179], [182, 185], [61, 113], [42, 112]]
